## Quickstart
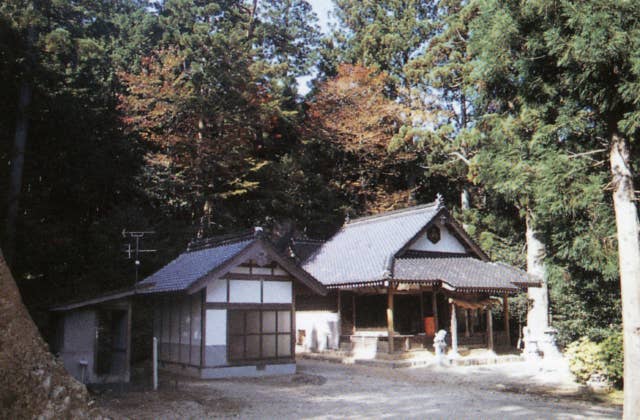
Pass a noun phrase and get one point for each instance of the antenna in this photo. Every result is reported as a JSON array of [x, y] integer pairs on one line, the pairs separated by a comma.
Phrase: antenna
[[133, 251]]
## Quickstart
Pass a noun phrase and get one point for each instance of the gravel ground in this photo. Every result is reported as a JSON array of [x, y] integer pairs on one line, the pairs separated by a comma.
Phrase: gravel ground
[[322, 390]]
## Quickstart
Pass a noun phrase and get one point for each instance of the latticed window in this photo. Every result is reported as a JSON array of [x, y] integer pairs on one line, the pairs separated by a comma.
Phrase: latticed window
[[259, 334]]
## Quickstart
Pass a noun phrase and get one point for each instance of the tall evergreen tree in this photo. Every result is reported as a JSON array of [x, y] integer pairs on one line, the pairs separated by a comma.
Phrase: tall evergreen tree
[[440, 78], [576, 64], [384, 34]]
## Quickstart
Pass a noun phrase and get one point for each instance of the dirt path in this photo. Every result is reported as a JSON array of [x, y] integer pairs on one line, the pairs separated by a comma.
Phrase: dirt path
[[323, 390]]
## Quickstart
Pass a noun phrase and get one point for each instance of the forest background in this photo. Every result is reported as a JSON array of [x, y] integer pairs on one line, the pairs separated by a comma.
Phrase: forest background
[[183, 117]]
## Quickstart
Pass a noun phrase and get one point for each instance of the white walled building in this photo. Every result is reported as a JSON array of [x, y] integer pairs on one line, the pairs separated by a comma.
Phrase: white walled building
[[228, 309]]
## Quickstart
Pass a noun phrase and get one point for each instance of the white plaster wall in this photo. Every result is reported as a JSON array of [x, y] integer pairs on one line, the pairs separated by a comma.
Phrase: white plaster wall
[[261, 270], [321, 328], [216, 328], [279, 272], [277, 292], [240, 269], [447, 242], [78, 343], [244, 291], [217, 291]]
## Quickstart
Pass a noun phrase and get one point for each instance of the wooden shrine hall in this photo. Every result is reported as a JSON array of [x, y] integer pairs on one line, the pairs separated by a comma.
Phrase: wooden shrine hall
[[400, 276]]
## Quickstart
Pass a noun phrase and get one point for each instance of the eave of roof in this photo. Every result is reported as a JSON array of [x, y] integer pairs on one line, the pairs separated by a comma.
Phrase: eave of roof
[[105, 297], [462, 274]]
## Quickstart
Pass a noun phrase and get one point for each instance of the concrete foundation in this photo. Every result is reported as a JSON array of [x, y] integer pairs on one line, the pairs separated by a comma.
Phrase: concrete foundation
[[230, 371]]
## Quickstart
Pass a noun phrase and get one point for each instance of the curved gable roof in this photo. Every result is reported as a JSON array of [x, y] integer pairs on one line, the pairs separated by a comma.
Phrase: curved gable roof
[[363, 249]]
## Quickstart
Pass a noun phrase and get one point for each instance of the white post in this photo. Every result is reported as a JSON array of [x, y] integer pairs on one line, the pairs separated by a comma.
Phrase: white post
[[155, 364]]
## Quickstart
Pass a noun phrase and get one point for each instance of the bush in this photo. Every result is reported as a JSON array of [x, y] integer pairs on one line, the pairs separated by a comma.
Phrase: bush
[[613, 357], [587, 358]]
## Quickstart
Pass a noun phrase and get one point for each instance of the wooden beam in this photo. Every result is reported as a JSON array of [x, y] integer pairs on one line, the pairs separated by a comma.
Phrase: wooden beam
[[390, 316], [467, 332], [434, 306], [203, 323], [489, 329], [292, 323], [454, 330], [128, 338], [505, 309], [353, 313]]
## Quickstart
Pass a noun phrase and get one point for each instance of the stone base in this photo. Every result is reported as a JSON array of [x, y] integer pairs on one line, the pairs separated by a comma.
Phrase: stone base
[[218, 372]]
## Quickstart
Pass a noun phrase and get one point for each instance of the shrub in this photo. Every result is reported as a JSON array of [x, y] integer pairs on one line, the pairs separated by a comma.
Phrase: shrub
[[613, 357], [587, 358]]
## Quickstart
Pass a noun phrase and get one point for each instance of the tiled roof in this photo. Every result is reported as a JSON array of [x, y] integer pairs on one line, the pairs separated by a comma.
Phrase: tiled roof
[[363, 250], [465, 273], [191, 266]]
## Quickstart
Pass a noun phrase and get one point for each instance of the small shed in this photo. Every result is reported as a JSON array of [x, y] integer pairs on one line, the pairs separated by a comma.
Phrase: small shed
[[93, 337], [227, 308], [224, 307]]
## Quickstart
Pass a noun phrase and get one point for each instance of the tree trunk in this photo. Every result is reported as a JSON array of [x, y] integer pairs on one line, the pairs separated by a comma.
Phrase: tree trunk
[[17, 169], [252, 19], [629, 260], [33, 384], [538, 314]]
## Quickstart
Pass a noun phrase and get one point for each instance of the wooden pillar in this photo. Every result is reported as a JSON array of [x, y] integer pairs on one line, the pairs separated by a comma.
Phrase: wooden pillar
[[466, 324], [505, 309], [390, 316], [489, 329], [353, 312], [434, 305], [421, 307], [472, 321], [454, 330], [339, 305]]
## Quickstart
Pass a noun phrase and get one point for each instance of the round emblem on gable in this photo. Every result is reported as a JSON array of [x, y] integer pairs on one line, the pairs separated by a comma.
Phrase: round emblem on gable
[[433, 234]]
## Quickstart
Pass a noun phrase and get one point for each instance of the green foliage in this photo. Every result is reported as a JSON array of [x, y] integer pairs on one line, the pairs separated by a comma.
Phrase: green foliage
[[384, 34], [587, 358], [550, 77], [613, 357]]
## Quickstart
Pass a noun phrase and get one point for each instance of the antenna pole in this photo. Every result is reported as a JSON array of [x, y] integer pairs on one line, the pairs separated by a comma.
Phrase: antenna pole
[[137, 236]]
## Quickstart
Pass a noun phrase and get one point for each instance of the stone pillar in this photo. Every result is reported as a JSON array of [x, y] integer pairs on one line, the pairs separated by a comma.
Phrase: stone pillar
[[538, 313]]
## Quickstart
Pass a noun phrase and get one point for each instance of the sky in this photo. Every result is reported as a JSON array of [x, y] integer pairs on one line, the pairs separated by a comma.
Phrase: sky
[[322, 8]]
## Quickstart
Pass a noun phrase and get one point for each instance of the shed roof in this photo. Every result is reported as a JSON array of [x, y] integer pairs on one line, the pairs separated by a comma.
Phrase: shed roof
[[191, 269], [190, 266]]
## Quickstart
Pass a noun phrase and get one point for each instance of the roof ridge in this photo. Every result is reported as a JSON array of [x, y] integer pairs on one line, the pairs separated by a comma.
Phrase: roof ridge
[[392, 213], [217, 241]]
